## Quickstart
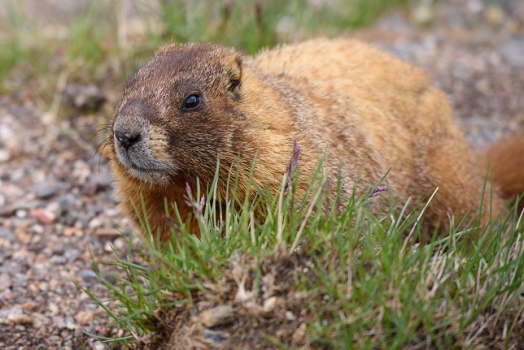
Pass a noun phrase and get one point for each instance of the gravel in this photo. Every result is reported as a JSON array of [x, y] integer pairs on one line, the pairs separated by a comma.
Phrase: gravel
[[54, 200], [57, 203]]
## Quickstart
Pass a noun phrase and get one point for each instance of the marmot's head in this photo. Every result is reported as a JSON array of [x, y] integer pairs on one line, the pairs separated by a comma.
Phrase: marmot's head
[[178, 113]]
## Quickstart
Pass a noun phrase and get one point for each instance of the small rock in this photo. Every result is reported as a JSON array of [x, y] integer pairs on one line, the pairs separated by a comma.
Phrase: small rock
[[21, 213], [120, 244], [513, 51], [299, 336], [72, 254], [23, 204], [4, 155], [85, 317], [88, 275], [84, 97], [49, 189], [269, 304], [494, 14], [98, 346], [36, 229], [59, 322], [55, 208], [215, 339], [423, 13], [66, 201], [94, 223], [70, 323], [110, 278], [59, 260], [96, 182], [40, 320], [53, 308], [216, 316], [5, 281], [6, 132], [30, 306], [71, 231], [19, 318], [43, 215], [7, 234], [107, 232], [290, 316]]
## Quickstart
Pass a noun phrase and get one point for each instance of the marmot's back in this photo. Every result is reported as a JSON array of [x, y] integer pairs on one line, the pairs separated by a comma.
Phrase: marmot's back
[[376, 113]]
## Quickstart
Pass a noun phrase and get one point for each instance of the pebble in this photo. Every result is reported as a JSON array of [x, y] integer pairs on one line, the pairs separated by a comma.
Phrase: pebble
[[94, 223], [85, 317], [66, 201], [513, 51], [290, 316], [84, 97], [98, 346], [70, 323], [217, 316], [7, 234], [299, 335], [107, 232], [70, 231], [72, 255], [49, 189], [4, 155], [120, 244], [19, 318], [21, 213], [88, 275], [53, 308], [23, 204], [96, 183], [5, 281], [36, 229], [39, 320], [59, 322], [215, 339], [43, 215], [269, 305], [30, 306]]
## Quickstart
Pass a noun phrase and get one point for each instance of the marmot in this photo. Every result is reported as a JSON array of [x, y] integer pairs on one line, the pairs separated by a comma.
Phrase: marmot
[[372, 112]]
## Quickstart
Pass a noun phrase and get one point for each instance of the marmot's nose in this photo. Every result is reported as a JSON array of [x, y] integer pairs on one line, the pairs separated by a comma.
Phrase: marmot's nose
[[127, 139]]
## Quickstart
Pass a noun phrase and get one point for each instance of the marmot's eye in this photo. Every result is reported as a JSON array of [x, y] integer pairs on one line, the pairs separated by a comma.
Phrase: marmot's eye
[[192, 102]]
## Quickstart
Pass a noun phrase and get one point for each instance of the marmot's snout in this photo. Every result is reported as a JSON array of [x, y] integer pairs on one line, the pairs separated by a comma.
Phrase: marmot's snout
[[140, 149], [129, 133], [127, 139]]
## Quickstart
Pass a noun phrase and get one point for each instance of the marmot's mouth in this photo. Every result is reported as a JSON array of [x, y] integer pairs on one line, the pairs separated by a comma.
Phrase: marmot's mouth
[[149, 175], [146, 171]]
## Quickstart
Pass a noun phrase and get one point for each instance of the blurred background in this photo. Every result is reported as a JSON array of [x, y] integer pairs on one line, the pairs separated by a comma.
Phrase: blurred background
[[52, 44]]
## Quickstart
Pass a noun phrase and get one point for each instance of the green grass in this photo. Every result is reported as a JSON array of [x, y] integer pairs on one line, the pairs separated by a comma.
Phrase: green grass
[[352, 278]]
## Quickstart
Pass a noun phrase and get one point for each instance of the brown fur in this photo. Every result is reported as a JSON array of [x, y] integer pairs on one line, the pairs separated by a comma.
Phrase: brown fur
[[371, 111]]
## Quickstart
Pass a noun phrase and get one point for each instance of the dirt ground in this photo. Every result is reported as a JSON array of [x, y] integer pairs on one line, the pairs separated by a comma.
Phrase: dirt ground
[[56, 199]]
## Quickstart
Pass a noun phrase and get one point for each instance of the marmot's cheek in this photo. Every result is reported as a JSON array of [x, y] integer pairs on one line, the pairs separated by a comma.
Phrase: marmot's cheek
[[159, 145]]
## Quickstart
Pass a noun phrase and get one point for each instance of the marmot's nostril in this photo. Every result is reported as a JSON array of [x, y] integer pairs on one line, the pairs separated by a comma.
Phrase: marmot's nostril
[[127, 139]]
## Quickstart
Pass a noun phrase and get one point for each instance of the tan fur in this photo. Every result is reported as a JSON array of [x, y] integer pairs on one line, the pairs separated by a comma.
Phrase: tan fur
[[371, 111], [506, 166]]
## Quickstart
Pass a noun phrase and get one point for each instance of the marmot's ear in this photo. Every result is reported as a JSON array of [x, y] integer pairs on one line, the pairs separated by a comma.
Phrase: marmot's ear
[[233, 70]]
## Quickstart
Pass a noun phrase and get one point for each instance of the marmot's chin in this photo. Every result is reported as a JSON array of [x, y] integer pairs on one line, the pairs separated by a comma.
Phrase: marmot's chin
[[149, 176]]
